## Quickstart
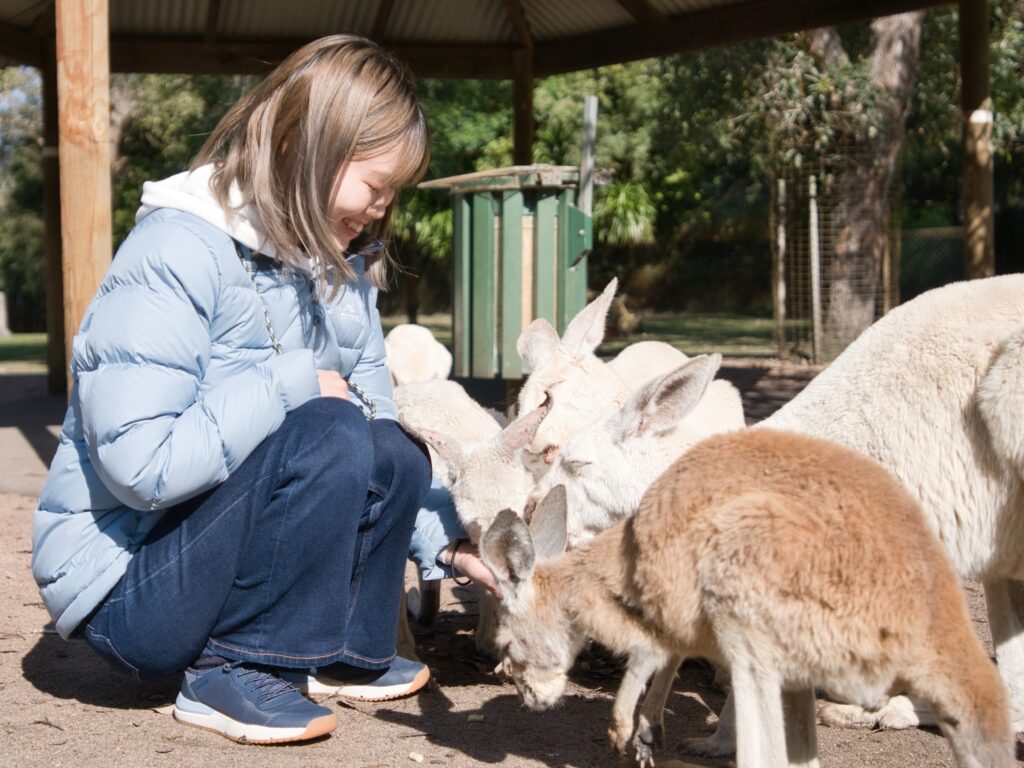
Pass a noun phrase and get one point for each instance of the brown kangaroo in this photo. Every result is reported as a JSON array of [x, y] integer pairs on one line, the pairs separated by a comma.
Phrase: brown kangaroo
[[794, 562]]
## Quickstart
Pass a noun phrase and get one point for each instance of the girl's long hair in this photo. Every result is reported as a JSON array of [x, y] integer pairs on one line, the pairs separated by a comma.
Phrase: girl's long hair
[[287, 143]]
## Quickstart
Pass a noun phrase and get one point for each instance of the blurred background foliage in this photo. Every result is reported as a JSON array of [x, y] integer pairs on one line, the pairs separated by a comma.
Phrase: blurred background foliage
[[692, 141]]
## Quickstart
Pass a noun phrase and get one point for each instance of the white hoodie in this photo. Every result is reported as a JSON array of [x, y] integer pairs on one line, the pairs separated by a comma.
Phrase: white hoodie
[[189, 191]]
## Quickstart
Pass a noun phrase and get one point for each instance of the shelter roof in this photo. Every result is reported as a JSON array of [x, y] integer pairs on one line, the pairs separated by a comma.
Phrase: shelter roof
[[439, 38]]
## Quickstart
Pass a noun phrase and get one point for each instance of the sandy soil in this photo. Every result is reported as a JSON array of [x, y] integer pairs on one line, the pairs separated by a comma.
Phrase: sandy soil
[[60, 706]]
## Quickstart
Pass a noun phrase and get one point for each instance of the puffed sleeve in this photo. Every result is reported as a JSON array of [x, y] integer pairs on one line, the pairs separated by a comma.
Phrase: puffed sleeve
[[437, 526], [139, 361]]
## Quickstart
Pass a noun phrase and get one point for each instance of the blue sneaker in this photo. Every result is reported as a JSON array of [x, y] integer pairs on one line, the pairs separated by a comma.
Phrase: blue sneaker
[[402, 678], [249, 705]]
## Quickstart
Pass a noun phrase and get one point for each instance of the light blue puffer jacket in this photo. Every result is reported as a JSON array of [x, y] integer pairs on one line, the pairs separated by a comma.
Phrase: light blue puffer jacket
[[175, 383]]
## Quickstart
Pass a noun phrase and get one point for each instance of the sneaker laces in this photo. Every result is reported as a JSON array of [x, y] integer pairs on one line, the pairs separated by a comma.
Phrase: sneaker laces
[[268, 685]]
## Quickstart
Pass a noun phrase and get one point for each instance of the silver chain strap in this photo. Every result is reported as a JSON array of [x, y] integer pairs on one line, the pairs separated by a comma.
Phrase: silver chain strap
[[371, 407], [266, 315]]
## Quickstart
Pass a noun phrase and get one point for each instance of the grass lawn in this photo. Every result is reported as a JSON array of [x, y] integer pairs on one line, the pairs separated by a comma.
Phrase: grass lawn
[[23, 353], [440, 325], [694, 334], [731, 335]]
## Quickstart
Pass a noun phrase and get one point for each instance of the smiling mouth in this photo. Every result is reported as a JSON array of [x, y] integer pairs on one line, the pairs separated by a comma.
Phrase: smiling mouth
[[354, 226]]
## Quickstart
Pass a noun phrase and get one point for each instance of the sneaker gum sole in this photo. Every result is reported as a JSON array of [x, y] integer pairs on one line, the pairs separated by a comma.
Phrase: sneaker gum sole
[[389, 693], [244, 733]]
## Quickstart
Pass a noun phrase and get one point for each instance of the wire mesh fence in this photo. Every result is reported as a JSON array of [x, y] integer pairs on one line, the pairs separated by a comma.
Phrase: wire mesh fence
[[929, 257], [827, 261]]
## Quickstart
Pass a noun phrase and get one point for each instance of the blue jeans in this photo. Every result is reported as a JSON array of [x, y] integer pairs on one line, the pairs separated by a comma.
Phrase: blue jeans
[[296, 560]]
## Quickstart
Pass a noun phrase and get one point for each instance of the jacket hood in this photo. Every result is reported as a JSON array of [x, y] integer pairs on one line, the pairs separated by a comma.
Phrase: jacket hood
[[190, 192]]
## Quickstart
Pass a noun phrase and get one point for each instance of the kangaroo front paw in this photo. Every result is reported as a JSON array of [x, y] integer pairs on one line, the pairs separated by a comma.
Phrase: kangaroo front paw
[[618, 738], [646, 739]]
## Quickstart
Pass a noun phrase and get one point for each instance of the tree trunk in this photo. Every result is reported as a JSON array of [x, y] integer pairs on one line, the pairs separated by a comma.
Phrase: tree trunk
[[863, 178]]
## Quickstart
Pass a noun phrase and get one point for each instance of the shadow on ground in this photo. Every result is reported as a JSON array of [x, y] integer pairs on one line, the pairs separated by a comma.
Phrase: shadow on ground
[[72, 670]]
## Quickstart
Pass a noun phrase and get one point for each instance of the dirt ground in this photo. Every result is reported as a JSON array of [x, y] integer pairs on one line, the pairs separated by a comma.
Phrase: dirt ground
[[59, 705]]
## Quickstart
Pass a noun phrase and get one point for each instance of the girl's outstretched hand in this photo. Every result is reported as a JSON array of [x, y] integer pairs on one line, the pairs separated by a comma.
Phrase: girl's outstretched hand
[[332, 385]]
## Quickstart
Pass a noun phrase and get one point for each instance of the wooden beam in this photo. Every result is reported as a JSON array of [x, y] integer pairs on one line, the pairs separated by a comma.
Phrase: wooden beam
[[56, 360], [212, 19], [517, 16], [20, 46], [976, 102], [192, 56], [642, 11], [748, 20], [380, 23], [83, 90], [522, 96]]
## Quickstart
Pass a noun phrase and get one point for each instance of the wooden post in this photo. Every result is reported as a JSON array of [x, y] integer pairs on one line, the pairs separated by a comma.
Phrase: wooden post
[[587, 155], [56, 359], [83, 90], [979, 237], [522, 96]]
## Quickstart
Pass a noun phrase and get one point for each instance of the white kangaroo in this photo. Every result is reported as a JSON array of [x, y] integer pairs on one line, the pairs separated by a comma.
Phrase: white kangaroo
[[792, 561], [486, 477], [934, 391], [580, 387], [607, 466]]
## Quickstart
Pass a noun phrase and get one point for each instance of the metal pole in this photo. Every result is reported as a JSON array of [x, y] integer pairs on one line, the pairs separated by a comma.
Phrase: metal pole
[[815, 249], [586, 198], [780, 267]]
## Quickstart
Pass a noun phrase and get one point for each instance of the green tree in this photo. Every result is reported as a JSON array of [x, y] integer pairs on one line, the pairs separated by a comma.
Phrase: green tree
[[22, 250], [469, 131], [158, 123]]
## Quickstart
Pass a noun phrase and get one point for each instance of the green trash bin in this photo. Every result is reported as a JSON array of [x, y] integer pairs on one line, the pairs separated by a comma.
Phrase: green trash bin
[[520, 252]]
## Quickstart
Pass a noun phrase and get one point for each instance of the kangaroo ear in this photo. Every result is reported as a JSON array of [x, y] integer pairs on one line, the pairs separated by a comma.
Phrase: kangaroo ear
[[548, 525], [586, 330], [521, 431], [537, 343], [662, 403], [507, 549], [447, 447]]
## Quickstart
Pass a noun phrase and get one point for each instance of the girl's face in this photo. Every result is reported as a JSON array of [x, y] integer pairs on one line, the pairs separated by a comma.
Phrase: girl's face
[[362, 194]]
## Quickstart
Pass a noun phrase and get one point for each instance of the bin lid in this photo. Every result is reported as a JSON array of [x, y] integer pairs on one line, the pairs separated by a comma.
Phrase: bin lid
[[511, 177]]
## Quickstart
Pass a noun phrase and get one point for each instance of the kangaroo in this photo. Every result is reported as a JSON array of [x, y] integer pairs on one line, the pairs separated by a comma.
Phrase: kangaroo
[[792, 561]]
